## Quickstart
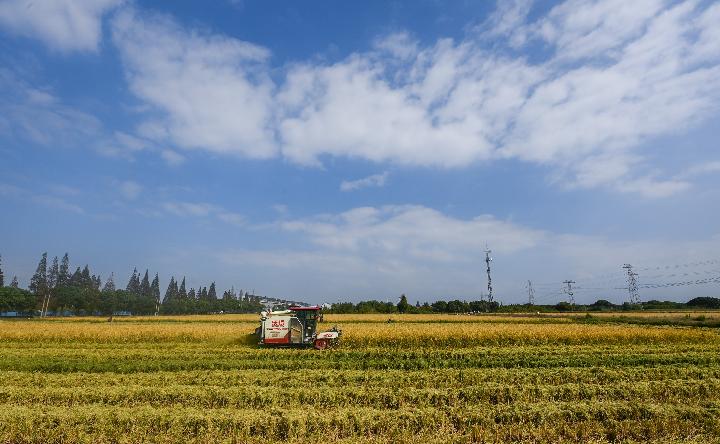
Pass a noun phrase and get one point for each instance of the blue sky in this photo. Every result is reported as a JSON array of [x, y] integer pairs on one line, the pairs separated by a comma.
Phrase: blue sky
[[329, 151]]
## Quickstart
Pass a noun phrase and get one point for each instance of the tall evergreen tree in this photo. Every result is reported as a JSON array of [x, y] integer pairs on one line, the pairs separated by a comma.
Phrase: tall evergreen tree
[[203, 294], [212, 294], [53, 274], [64, 271], [76, 278], [96, 282], [133, 285], [86, 280], [2, 276], [14, 282], [109, 284], [171, 292], [39, 281], [191, 294], [182, 293], [155, 288], [145, 286]]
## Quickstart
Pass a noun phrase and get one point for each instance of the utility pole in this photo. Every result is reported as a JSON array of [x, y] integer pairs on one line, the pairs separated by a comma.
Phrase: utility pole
[[488, 259], [569, 291], [531, 294], [632, 284]]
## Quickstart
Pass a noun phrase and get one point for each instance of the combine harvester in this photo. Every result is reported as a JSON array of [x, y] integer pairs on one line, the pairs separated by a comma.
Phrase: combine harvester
[[297, 327]]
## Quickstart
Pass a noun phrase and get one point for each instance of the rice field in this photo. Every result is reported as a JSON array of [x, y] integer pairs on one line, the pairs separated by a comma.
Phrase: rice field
[[418, 378]]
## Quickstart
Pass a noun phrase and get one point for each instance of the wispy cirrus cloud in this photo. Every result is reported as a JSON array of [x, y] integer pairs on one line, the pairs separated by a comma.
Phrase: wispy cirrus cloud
[[129, 189], [202, 210], [374, 180], [64, 25], [46, 199], [367, 252]]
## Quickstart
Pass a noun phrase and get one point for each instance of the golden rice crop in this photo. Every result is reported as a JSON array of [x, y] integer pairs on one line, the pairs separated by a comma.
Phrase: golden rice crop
[[429, 378]]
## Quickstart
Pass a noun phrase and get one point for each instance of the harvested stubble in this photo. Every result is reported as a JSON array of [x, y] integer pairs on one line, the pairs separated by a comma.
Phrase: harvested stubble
[[454, 380]]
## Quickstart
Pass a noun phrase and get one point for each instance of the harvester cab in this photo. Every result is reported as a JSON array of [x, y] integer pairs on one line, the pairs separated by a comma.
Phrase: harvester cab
[[296, 326]]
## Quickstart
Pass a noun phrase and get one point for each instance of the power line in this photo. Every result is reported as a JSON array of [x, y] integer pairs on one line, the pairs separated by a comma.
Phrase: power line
[[689, 264]]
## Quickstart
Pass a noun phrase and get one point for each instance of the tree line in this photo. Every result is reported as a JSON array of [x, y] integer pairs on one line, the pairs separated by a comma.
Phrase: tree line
[[482, 306], [54, 289]]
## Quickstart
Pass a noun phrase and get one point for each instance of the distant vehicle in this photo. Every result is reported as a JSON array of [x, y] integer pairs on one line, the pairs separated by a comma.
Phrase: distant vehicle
[[296, 326]]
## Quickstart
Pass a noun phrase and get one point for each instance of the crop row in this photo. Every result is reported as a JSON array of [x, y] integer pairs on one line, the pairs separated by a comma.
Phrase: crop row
[[705, 393], [451, 379], [558, 420], [397, 335], [130, 358]]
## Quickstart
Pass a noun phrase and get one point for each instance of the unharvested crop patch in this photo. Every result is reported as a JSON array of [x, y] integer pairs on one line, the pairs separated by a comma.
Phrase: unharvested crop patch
[[418, 378]]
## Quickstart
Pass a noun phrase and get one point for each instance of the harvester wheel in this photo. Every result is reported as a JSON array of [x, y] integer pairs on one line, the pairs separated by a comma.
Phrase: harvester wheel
[[321, 344]]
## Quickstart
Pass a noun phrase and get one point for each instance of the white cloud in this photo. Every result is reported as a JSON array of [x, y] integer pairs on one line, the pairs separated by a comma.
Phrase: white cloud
[[211, 92], [400, 45], [43, 199], [508, 20], [202, 210], [121, 145], [65, 25], [130, 190], [597, 28], [375, 180], [618, 76], [701, 169], [172, 158], [370, 252], [457, 103], [650, 187], [37, 115], [413, 231]]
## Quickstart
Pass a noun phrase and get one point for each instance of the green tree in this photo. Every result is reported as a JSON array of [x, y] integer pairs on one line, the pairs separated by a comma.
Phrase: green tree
[[64, 271], [86, 280], [96, 282], [14, 282], [145, 286], [155, 289], [39, 282], [170, 294], [53, 274], [403, 305], [182, 292], [133, 285], [76, 278], [704, 302], [440, 306], [2, 276], [563, 306], [110, 284], [15, 299], [108, 299]]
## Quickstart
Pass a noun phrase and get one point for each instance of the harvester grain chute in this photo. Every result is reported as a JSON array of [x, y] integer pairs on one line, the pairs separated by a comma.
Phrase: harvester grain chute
[[296, 326]]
